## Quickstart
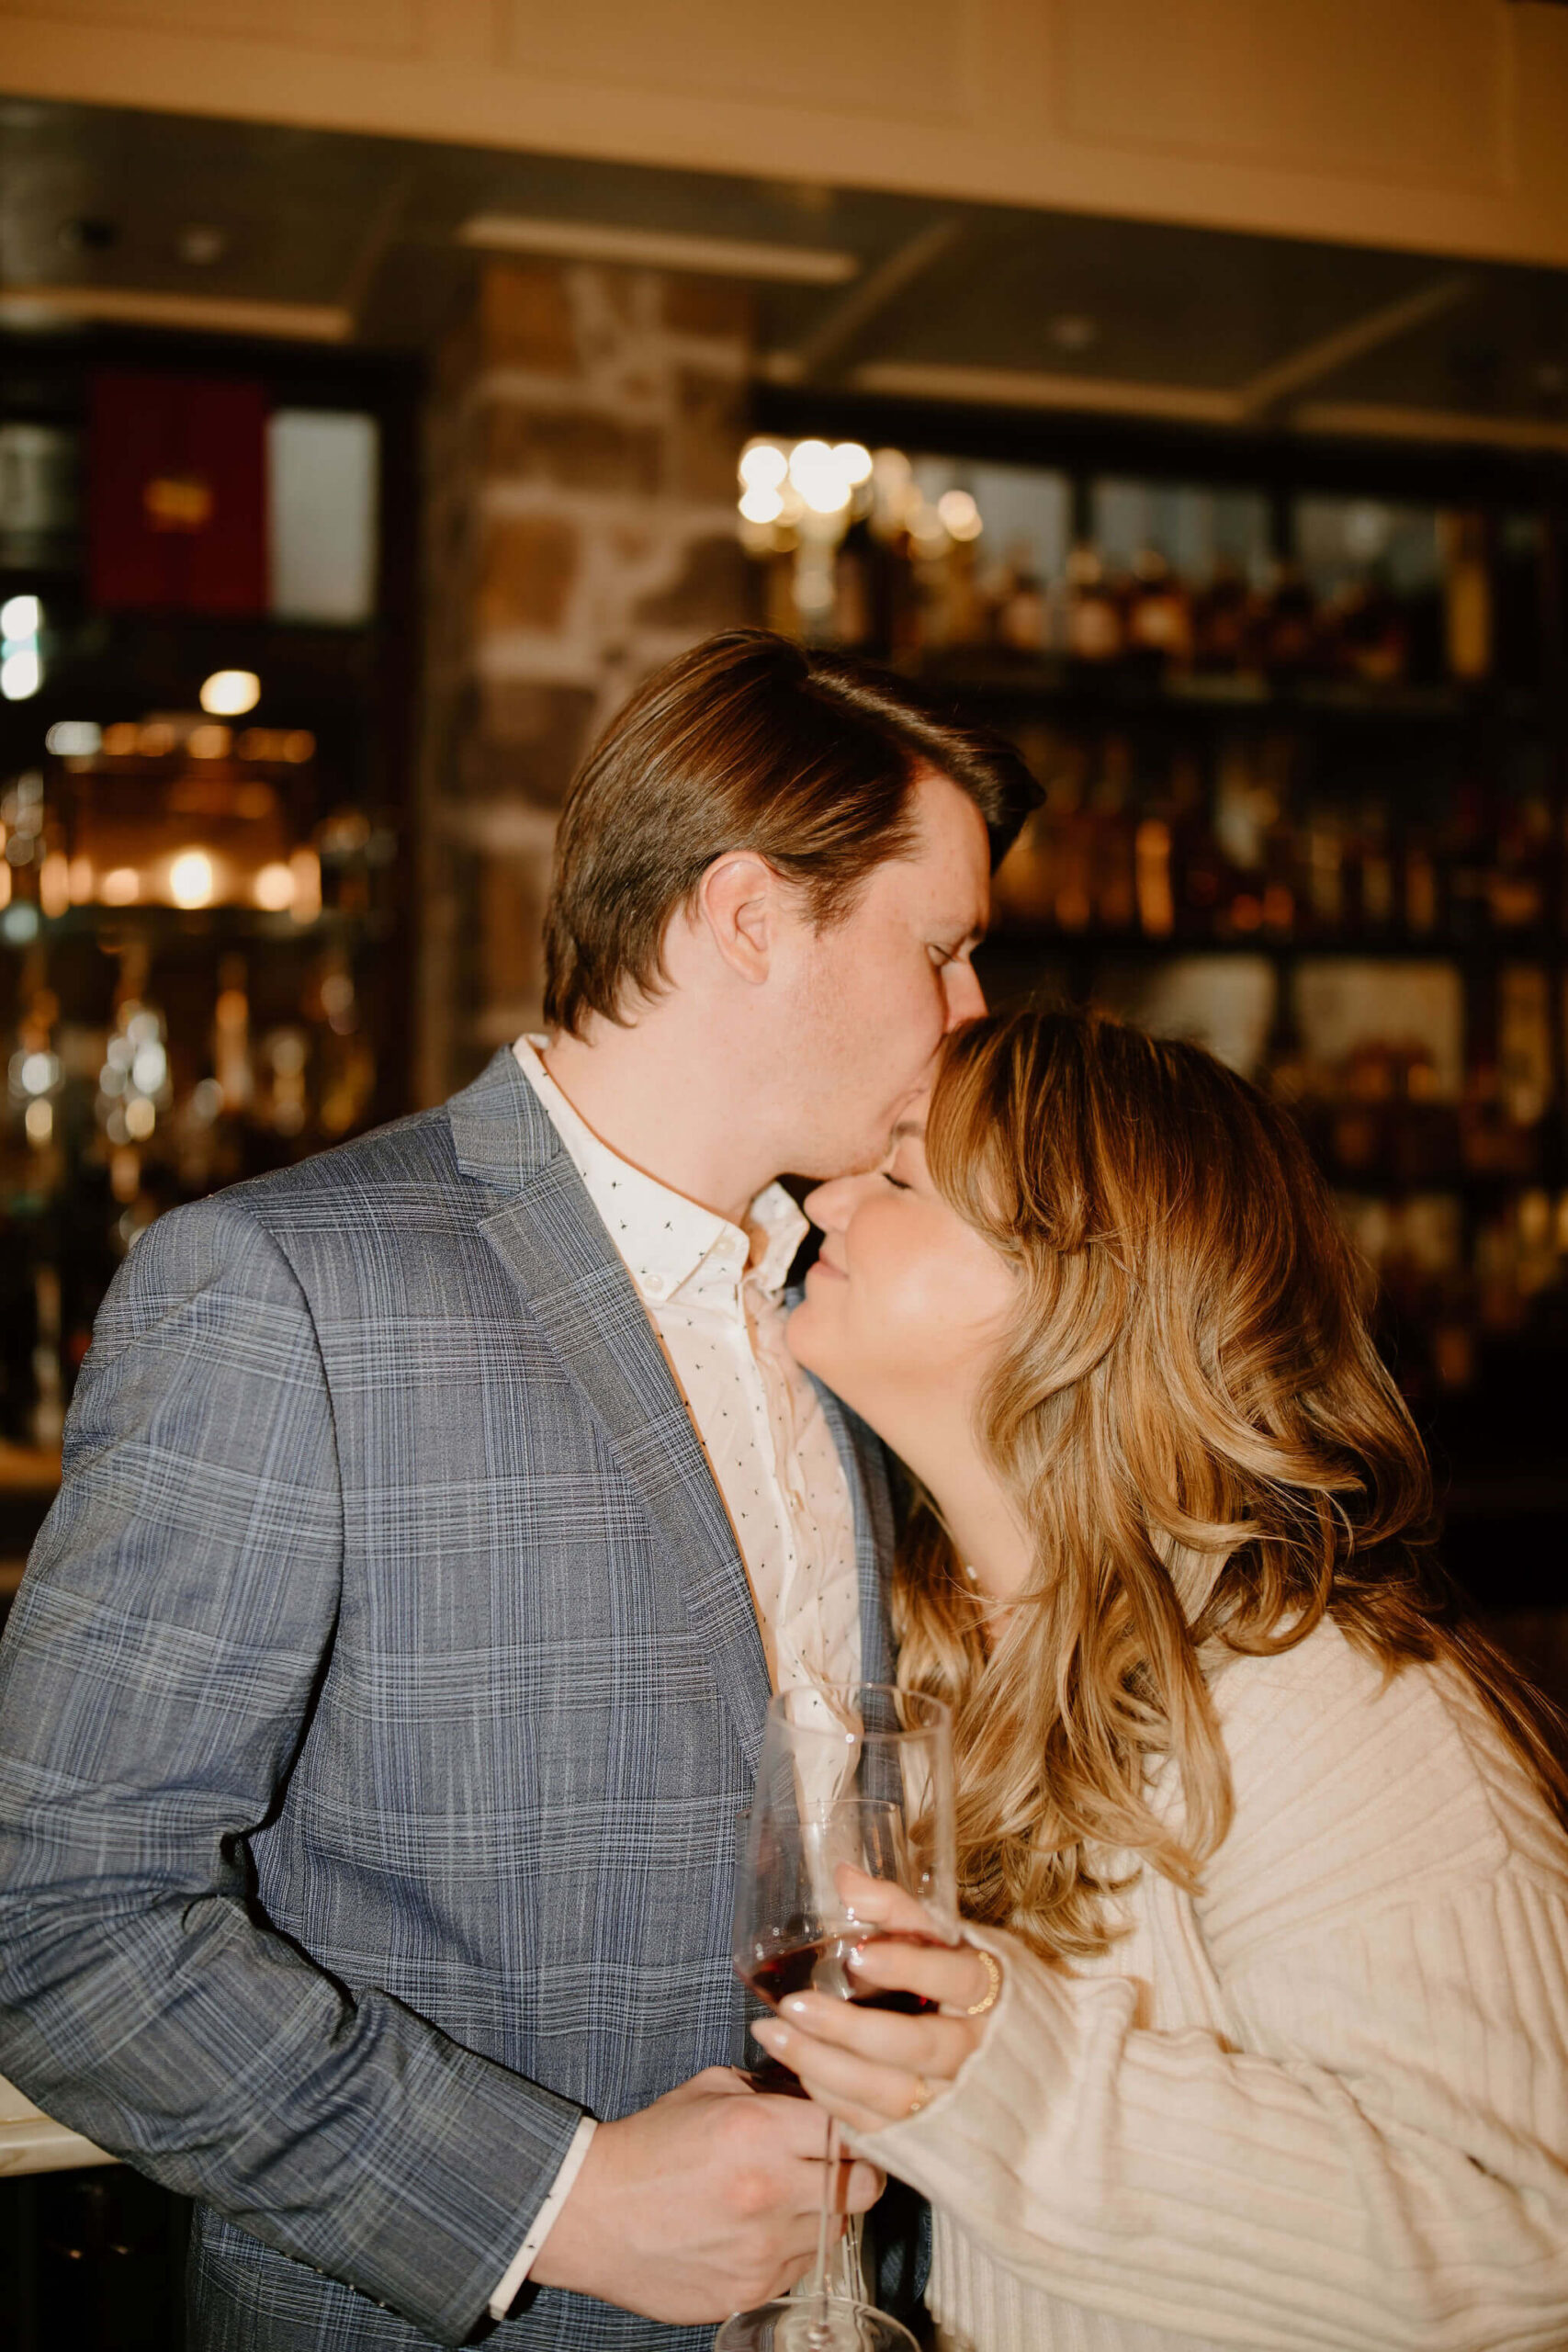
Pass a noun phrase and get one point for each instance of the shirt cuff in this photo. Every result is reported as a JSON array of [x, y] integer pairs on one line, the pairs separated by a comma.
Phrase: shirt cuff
[[539, 2228]]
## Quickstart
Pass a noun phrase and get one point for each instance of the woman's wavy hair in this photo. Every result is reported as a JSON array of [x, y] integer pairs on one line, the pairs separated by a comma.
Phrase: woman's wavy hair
[[1192, 1418]]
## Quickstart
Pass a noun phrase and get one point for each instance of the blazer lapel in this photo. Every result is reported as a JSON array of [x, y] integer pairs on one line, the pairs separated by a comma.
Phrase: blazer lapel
[[545, 1231]]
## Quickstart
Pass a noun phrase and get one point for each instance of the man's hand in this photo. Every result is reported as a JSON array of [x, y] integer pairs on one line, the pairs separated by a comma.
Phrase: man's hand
[[704, 2204]]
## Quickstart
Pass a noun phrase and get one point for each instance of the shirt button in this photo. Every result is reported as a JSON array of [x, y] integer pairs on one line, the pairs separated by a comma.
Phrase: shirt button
[[655, 1285]]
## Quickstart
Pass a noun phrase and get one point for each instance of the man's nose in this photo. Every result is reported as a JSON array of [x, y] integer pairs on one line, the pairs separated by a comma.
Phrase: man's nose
[[966, 997]]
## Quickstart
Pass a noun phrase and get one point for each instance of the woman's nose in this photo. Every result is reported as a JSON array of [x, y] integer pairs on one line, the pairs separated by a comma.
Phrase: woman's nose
[[831, 1206]]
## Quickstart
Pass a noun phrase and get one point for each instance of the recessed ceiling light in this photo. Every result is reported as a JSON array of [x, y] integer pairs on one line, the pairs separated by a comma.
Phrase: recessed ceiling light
[[201, 243], [1072, 331]]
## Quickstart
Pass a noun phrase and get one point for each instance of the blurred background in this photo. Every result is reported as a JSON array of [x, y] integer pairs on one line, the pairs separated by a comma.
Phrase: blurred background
[[385, 387]]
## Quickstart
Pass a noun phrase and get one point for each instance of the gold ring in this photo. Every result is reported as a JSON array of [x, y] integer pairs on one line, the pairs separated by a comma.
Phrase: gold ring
[[923, 2095], [983, 2008]]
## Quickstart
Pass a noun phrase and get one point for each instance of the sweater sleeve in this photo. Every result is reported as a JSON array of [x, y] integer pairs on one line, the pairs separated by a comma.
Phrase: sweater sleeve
[[1371, 2155]]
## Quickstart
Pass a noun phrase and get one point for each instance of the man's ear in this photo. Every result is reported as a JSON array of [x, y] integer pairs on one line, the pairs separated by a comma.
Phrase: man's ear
[[739, 904]]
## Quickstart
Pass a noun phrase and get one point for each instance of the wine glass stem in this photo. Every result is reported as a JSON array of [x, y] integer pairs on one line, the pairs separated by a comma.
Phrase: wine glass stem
[[821, 2332]]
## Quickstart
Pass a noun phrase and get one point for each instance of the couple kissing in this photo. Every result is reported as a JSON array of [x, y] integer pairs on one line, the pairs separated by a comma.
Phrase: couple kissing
[[382, 1702]]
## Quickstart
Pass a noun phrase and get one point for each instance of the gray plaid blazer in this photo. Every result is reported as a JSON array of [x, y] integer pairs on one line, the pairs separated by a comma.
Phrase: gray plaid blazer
[[376, 1719]]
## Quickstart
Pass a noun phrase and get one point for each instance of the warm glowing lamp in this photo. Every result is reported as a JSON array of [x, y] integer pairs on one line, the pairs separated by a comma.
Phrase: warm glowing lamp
[[191, 878], [274, 889], [229, 694]]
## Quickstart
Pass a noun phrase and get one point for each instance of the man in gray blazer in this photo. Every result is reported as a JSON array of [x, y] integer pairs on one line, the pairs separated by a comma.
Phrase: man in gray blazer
[[385, 1690]]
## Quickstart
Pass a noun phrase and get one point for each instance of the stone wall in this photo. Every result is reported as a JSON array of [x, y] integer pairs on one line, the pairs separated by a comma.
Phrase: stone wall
[[580, 529]]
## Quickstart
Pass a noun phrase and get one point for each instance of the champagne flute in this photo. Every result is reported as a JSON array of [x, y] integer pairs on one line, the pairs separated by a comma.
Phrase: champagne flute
[[857, 1774]]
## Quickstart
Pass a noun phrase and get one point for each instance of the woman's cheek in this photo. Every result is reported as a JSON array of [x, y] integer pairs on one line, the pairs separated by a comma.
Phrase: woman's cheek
[[908, 1310]]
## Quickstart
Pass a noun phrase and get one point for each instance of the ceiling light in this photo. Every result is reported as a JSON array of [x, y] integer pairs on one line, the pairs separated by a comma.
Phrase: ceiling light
[[20, 616], [761, 505], [658, 249], [21, 675], [230, 693], [201, 243]]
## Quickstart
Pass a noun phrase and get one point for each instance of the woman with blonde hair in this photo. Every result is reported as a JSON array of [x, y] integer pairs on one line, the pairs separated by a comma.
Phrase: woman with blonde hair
[[1259, 2030]]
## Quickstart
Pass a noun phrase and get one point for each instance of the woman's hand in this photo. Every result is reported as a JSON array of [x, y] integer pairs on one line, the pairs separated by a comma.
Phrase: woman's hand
[[871, 2067]]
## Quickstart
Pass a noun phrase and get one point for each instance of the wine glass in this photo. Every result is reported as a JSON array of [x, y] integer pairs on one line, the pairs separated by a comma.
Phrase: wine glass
[[858, 1774]]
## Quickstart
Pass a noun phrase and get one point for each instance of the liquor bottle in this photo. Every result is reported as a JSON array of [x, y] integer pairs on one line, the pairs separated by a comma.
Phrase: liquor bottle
[[1422, 907], [1524, 1044], [1159, 613], [1374, 860], [1289, 622], [1021, 611], [1371, 643], [1515, 883], [1115, 885], [1220, 623], [1467, 596], [1152, 869], [854, 604], [1095, 629], [1197, 866], [48, 1416], [1324, 865], [232, 1037]]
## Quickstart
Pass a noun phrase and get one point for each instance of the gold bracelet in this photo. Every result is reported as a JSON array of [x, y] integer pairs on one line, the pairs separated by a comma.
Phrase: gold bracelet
[[983, 2007]]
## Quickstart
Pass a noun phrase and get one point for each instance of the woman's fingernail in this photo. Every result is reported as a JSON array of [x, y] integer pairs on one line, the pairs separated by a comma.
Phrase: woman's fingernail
[[767, 2033], [796, 2006]]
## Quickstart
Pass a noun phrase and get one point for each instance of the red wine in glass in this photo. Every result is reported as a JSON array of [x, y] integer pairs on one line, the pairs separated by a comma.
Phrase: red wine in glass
[[822, 1964]]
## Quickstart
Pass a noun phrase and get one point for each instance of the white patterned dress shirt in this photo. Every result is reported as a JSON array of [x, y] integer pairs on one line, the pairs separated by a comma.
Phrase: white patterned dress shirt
[[715, 1297]]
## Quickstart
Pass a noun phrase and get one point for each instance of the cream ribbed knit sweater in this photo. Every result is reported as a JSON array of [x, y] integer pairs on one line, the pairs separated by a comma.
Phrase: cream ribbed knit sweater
[[1323, 2104]]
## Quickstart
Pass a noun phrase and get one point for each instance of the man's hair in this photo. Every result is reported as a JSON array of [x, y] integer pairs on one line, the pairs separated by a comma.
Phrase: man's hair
[[750, 742]]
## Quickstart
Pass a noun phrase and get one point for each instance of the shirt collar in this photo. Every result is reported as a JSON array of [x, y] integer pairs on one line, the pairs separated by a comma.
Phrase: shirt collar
[[666, 1240]]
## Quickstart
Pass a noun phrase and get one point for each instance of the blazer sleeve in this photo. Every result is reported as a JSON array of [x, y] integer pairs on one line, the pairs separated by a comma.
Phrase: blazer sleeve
[[156, 1680]]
